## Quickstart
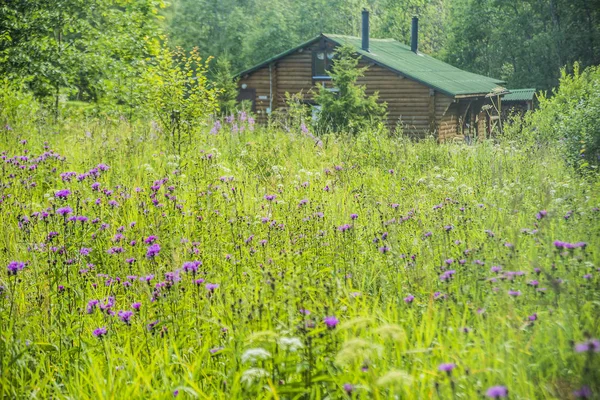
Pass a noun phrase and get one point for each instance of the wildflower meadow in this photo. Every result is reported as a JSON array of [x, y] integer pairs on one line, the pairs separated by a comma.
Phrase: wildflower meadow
[[259, 263]]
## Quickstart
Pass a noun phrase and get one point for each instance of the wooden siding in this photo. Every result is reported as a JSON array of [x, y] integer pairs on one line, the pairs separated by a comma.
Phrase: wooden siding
[[259, 80], [410, 104]]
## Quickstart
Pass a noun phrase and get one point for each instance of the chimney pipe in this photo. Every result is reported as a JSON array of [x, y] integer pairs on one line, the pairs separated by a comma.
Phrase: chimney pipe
[[365, 30], [414, 35]]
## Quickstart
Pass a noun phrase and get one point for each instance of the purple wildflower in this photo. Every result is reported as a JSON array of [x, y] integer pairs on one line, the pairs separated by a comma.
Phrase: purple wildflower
[[409, 299], [153, 250], [125, 316], [348, 388], [495, 392], [14, 267], [211, 286], [64, 211], [331, 322], [447, 367], [590, 345], [63, 193], [584, 393], [99, 332]]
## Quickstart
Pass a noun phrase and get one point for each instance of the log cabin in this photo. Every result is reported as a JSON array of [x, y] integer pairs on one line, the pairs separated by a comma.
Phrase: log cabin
[[424, 95], [518, 102]]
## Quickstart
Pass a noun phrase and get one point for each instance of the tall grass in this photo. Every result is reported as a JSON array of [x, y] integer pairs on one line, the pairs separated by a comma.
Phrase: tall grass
[[293, 230]]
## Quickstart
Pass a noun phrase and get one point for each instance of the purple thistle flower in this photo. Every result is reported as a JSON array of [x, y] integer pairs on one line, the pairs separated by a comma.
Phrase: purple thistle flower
[[348, 388], [584, 393], [591, 345], [211, 286], [447, 367], [353, 216], [270, 197], [542, 214], [216, 350], [64, 211], [100, 332], [191, 266], [152, 325], [344, 228], [409, 299], [153, 250], [495, 392], [447, 275], [62, 194], [514, 293], [125, 316], [91, 305], [14, 267], [150, 239], [384, 249], [331, 322], [533, 317], [136, 306]]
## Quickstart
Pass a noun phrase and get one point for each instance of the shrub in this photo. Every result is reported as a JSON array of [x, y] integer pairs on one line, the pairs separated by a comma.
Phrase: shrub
[[178, 94], [570, 117], [348, 109]]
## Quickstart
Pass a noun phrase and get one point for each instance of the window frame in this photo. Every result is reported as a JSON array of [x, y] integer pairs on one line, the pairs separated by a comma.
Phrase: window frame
[[327, 61]]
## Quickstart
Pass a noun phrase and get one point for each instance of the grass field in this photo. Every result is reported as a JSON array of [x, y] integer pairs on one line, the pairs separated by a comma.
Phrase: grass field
[[267, 264]]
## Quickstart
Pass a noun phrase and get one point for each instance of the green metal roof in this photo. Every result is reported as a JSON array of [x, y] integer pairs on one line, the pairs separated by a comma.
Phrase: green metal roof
[[519, 95], [420, 67]]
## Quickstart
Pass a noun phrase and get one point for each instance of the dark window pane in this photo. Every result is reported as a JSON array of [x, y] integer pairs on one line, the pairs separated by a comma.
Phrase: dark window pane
[[320, 63]]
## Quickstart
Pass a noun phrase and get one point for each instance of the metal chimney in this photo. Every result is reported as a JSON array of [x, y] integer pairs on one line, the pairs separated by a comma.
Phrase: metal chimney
[[365, 30], [414, 35]]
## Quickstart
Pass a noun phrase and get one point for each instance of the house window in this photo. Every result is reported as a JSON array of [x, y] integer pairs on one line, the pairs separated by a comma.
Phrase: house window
[[322, 62]]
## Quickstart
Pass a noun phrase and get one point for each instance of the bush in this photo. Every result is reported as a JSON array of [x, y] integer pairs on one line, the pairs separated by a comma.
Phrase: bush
[[570, 118], [178, 93]]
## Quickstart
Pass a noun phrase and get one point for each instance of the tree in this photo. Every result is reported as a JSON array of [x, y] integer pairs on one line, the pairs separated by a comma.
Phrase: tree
[[178, 93], [78, 48], [226, 85], [348, 108]]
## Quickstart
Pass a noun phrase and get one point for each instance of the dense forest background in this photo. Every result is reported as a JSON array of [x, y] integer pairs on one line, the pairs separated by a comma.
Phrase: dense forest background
[[93, 50]]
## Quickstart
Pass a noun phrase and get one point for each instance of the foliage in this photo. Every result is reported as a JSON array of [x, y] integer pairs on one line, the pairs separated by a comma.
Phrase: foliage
[[226, 86], [84, 50], [179, 95], [354, 269], [569, 118], [527, 42], [253, 31], [347, 108]]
